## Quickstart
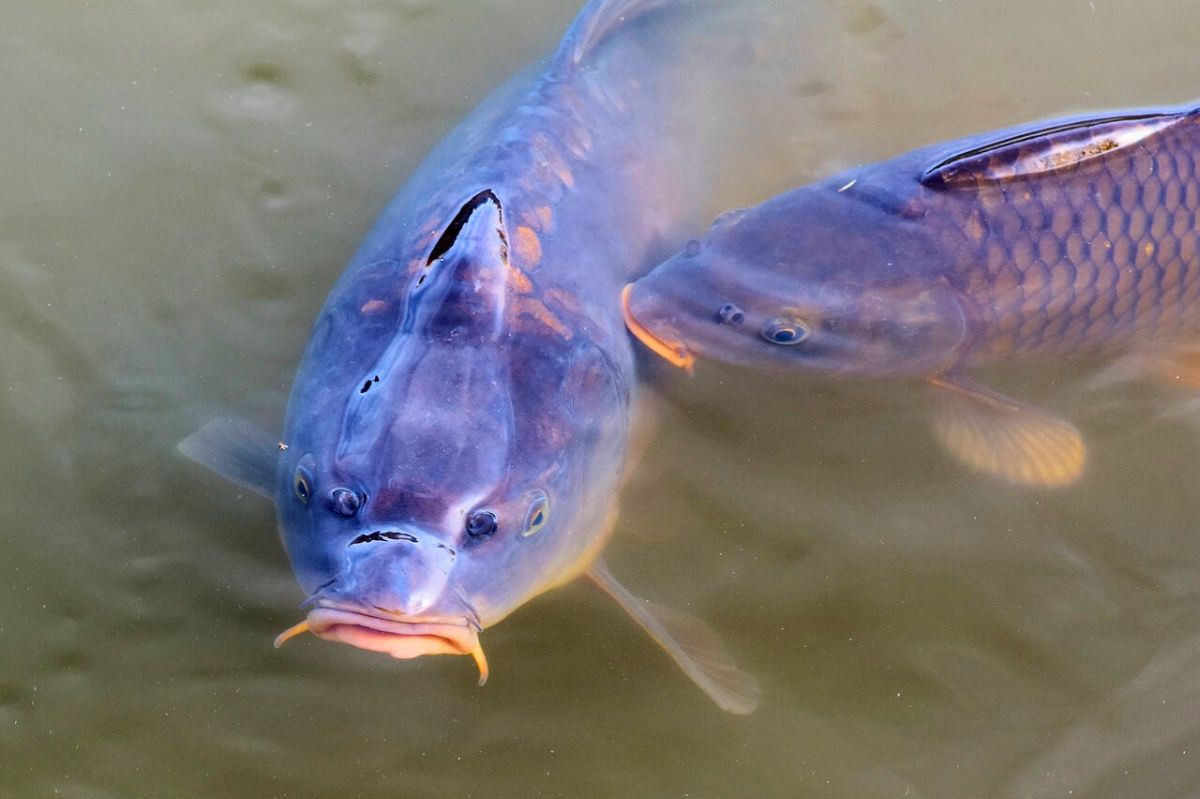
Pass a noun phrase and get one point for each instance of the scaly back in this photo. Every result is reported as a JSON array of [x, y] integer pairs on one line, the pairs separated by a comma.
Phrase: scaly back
[[1075, 234]]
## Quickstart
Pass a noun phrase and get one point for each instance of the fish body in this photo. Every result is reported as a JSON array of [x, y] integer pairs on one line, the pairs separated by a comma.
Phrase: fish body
[[458, 425], [1060, 238]]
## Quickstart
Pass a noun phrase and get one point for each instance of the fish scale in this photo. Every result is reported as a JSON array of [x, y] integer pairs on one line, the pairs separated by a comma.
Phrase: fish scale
[[1099, 255], [1059, 238]]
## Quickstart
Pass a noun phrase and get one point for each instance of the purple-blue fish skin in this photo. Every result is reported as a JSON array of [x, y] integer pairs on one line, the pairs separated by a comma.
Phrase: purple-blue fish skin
[[1058, 238], [457, 427]]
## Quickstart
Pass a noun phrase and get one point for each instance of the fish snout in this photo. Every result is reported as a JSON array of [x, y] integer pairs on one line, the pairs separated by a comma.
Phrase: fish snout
[[399, 572], [395, 596]]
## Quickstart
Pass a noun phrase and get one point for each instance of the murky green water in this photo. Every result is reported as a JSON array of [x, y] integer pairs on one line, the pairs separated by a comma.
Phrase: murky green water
[[183, 182]]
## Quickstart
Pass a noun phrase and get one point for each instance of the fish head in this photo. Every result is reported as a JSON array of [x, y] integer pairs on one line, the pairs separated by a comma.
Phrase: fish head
[[812, 280], [444, 468]]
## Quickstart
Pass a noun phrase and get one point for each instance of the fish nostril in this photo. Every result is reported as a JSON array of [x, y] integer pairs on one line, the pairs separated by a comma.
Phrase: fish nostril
[[383, 535], [730, 314]]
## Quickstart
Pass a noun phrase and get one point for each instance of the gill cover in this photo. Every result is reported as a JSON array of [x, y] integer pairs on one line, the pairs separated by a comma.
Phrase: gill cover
[[911, 326]]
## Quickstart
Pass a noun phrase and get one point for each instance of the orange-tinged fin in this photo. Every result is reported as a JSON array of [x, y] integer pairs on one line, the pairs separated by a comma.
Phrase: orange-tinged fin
[[691, 643], [675, 354], [481, 662], [290, 633], [1046, 147], [1006, 438]]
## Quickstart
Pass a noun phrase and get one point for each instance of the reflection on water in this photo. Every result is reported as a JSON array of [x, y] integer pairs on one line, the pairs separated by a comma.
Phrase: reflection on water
[[184, 182]]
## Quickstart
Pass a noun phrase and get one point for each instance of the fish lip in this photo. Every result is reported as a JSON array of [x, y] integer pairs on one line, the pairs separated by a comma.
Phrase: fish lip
[[672, 352], [393, 635]]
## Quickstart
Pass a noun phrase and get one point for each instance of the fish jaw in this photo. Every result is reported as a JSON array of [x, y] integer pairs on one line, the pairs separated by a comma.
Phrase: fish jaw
[[672, 352], [400, 639], [403, 639]]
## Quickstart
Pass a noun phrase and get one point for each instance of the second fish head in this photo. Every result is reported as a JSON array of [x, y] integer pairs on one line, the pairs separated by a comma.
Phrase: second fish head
[[816, 279]]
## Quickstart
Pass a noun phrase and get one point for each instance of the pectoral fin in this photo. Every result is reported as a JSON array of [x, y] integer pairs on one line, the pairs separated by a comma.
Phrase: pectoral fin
[[1006, 438], [690, 642], [236, 450]]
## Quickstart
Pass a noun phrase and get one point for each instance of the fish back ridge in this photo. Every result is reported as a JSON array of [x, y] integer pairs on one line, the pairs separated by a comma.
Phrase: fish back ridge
[[1049, 146]]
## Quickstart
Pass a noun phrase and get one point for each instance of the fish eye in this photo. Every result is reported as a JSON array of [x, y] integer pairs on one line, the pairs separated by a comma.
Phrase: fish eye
[[302, 481], [784, 331], [481, 523], [539, 512], [345, 502], [730, 314]]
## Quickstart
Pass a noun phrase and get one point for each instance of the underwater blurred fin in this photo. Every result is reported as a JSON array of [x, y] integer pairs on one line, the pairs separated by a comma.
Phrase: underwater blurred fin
[[600, 18], [1178, 366], [1006, 438], [236, 450], [690, 642], [1044, 148], [644, 416]]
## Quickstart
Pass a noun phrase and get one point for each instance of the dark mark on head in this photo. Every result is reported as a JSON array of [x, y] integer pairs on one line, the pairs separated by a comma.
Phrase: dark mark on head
[[378, 535], [460, 219]]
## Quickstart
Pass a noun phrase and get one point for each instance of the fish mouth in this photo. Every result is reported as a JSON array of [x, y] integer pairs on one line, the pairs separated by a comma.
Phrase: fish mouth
[[400, 638], [672, 352]]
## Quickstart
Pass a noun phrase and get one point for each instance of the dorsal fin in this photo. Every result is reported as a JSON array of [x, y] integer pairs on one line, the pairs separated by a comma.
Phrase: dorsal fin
[[596, 21], [1046, 147]]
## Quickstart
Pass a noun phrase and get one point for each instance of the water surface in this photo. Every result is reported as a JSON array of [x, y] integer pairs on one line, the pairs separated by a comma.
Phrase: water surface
[[183, 183]]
